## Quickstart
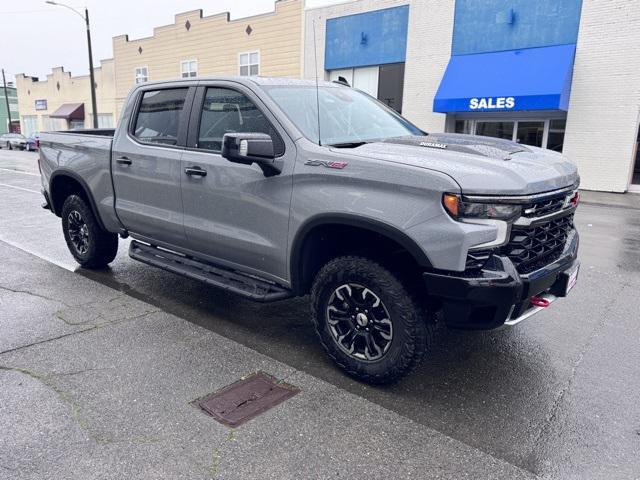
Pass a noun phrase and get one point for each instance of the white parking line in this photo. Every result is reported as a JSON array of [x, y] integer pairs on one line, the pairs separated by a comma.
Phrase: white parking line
[[20, 171], [19, 188]]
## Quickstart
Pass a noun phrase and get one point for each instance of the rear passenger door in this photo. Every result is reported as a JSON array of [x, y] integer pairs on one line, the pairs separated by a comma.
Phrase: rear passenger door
[[146, 165], [233, 214]]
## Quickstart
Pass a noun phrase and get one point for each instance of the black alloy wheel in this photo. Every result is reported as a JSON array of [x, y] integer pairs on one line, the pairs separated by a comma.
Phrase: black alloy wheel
[[359, 322], [78, 232]]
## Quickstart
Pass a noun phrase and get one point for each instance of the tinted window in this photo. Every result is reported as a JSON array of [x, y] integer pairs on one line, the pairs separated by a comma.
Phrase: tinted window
[[159, 116], [228, 111]]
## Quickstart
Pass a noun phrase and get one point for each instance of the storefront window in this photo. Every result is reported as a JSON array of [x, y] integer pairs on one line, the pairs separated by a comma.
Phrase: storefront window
[[495, 129], [463, 126], [556, 135], [530, 133]]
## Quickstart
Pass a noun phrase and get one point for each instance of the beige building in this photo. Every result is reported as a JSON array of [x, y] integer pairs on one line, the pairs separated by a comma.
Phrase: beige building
[[270, 44], [62, 101], [267, 45]]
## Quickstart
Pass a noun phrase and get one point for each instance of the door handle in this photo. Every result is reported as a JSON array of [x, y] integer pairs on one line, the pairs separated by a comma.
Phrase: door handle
[[123, 160], [196, 171]]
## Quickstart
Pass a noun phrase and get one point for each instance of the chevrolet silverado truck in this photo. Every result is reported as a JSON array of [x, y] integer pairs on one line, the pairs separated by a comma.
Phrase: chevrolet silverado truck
[[274, 188]]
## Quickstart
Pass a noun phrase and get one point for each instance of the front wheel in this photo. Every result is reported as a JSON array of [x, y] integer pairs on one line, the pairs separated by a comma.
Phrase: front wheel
[[90, 245], [367, 321]]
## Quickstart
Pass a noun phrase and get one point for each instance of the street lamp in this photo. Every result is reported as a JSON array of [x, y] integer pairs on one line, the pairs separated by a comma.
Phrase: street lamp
[[85, 17]]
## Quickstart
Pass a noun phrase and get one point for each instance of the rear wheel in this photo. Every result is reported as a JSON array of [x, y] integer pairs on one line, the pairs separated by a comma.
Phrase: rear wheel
[[90, 245], [367, 321]]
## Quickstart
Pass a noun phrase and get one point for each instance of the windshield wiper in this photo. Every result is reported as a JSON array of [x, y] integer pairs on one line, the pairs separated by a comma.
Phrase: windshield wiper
[[348, 144]]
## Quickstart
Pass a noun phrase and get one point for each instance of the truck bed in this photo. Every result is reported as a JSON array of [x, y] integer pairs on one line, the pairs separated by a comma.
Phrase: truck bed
[[87, 155]]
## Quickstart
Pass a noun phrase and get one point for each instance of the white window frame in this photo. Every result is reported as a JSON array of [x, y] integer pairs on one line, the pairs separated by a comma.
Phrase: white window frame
[[188, 72], [138, 76], [248, 64]]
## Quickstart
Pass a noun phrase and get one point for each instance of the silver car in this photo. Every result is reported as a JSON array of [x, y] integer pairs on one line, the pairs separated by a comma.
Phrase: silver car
[[13, 140]]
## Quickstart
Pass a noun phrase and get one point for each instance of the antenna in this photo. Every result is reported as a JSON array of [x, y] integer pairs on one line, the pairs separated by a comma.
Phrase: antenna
[[315, 61]]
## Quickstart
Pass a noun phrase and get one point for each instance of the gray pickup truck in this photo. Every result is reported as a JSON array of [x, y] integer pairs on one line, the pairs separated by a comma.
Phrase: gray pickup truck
[[274, 188]]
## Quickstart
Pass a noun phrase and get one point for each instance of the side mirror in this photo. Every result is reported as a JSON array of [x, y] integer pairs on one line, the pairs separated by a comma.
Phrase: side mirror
[[248, 148]]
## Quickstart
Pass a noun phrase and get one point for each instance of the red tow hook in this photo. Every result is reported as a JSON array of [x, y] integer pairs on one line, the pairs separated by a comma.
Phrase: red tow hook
[[540, 302]]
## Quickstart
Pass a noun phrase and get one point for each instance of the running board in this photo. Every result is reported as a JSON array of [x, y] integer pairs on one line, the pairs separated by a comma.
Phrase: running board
[[248, 286]]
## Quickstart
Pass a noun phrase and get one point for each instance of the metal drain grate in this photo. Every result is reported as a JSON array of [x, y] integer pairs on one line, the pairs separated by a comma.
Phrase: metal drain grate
[[241, 401]]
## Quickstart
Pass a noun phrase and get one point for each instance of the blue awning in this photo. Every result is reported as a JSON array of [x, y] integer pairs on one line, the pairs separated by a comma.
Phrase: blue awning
[[513, 80]]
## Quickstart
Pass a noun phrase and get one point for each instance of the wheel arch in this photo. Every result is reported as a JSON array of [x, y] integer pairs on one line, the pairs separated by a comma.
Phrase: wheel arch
[[65, 182], [302, 266]]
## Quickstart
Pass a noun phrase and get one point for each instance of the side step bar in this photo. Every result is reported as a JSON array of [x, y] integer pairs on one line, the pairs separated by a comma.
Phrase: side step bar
[[248, 286]]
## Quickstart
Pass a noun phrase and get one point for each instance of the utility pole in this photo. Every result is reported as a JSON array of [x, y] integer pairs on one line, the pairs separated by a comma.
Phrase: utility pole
[[94, 105], [6, 99], [85, 17]]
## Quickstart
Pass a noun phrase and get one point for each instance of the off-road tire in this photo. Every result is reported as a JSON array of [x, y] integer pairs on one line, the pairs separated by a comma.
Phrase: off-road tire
[[412, 325], [102, 246]]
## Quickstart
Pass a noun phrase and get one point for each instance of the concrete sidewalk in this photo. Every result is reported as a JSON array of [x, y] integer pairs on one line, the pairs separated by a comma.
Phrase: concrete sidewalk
[[608, 199], [98, 385]]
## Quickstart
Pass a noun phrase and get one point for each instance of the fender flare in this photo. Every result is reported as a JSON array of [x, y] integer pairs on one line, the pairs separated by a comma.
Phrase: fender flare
[[346, 219], [63, 172]]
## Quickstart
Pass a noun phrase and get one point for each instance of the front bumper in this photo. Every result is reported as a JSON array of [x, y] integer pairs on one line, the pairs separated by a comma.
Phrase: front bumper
[[499, 295]]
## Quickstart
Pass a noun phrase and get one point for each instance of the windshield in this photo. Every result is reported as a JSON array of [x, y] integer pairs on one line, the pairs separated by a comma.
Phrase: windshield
[[347, 116]]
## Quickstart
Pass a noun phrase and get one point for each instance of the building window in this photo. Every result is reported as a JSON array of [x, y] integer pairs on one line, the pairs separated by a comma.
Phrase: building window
[[189, 68], [555, 141], [537, 132], [105, 120], [249, 64], [76, 124], [495, 129], [142, 74], [29, 124]]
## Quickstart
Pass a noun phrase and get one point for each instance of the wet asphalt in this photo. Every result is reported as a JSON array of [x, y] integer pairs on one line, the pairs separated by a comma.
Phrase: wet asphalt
[[557, 396]]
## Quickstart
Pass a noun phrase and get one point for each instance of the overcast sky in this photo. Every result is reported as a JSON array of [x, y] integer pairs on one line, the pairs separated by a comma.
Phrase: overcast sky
[[37, 36]]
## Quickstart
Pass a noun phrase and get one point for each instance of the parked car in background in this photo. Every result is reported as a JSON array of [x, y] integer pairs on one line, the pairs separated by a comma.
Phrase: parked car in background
[[32, 142], [13, 140]]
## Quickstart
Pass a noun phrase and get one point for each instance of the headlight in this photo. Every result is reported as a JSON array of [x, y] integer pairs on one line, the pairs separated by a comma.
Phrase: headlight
[[459, 209]]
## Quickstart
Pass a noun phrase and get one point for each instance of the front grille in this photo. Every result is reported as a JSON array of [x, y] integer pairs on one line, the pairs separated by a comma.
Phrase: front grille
[[531, 248], [544, 207]]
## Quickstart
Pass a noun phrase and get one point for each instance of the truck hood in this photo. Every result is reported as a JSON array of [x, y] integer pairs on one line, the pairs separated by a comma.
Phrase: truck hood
[[480, 165]]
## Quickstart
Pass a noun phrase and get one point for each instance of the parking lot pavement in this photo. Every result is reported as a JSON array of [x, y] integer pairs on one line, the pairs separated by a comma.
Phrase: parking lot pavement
[[555, 397], [97, 384]]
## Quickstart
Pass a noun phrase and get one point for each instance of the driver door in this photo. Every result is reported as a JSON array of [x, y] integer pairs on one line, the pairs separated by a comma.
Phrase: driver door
[[233, 214]]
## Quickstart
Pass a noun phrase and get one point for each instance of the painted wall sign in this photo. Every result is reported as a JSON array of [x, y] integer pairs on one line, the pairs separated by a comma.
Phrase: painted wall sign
[[492, 103]]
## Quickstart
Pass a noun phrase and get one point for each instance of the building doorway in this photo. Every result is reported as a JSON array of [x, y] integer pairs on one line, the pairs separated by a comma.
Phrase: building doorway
[[635, 176], [384, 82]]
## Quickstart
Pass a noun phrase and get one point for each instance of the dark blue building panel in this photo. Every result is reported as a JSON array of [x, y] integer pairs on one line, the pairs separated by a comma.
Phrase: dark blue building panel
[[495, 25], [371, 38]]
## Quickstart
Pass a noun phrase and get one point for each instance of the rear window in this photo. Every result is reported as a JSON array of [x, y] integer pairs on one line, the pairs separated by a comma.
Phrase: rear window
[[158, 117]]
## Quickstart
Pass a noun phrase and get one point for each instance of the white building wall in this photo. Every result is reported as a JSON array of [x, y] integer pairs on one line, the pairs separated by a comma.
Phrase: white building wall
[[428, 52], [604, 108], [320, 15]]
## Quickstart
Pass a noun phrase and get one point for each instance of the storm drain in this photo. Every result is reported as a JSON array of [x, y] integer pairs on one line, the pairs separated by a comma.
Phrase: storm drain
[[246, 399]]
